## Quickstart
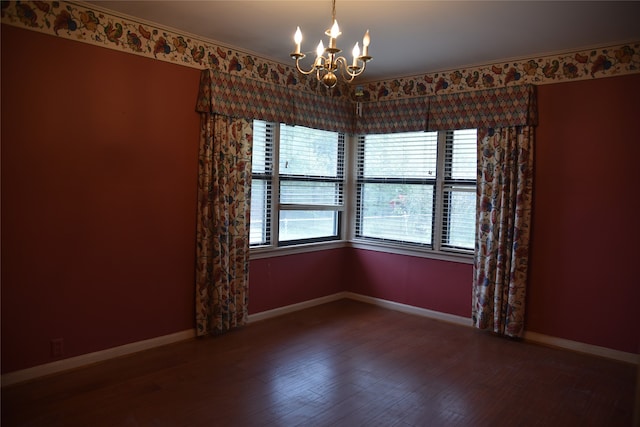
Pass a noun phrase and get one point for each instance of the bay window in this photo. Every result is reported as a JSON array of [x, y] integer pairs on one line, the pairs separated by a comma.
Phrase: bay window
[[297, 183], [413, 189]]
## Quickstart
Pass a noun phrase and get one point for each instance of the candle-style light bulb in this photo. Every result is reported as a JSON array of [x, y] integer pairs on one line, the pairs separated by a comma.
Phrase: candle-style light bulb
[[298, 39], [356, 54], [319, 52], [365, 44], [335, 30]]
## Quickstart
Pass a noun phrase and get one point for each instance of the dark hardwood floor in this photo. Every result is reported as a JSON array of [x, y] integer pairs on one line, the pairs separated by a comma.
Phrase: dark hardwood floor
[[340, 364]]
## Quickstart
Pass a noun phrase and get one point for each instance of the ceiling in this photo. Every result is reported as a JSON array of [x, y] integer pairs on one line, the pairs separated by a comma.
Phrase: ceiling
[[407, 37]]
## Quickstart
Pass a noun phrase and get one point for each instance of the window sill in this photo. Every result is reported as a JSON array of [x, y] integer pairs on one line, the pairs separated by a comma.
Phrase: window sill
[[409, 251], [270, 252]]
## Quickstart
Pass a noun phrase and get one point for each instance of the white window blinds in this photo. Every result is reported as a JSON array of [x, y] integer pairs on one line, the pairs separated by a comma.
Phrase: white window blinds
[[396, 179], [311, 174], [459, 191], [418, 188], [261, 183], [297, 184], [311, 166]]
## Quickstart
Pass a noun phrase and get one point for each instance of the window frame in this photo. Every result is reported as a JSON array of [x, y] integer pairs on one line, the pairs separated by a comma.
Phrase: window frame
[[270, 178], [447, 181], [436, 249], [361, 181], [274, 181]]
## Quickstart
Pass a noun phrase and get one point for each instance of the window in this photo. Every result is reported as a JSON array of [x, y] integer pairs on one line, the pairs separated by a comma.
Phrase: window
[[301, 170], [396, 183], [417, 188], [459, 190], [261, 184]]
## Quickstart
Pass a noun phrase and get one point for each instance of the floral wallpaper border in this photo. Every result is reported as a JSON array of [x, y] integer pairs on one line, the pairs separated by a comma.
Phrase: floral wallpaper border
[[81, 22], [577, 65]]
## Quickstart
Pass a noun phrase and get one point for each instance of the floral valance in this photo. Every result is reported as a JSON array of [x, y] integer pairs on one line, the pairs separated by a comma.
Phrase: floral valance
[[395, 115], [509, 106], [240, 97], [323, 112], [236, 96]]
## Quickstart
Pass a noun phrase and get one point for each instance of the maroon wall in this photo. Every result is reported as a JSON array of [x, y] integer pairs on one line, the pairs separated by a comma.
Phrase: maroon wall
[[99, 158], [584, 283], [436, 285], [99, 172], [284, 280]]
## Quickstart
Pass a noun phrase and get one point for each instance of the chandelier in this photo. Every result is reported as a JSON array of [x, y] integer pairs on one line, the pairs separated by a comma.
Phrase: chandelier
[[327, 60]]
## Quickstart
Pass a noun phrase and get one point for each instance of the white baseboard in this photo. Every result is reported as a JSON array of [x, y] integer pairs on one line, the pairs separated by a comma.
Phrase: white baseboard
[[99, 356], [296, 307], [451, 318], [58, 366], [410, 309], [580, 347], [90, 358], [533, 337]]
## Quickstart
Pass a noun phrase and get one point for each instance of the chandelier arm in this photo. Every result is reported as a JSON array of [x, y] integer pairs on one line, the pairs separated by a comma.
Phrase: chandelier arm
[[313, 68], [364, 65], [349, 70]]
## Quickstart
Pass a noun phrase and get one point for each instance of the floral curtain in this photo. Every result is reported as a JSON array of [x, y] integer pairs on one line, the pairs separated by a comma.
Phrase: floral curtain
[[223, 212], [503, 218]]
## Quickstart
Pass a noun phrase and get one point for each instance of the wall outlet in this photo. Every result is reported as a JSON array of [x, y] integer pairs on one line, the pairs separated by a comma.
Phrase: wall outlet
[[57, 347]]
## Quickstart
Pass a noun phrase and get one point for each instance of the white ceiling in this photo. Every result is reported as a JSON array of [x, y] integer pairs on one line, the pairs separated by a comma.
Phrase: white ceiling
[[407, 37]]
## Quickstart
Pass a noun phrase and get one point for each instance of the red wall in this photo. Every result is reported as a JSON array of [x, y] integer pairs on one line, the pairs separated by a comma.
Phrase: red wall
[[583, 283], [584, 280], [284, 280], [421, 282], [99, 172], [99, 175], [99, 158]]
